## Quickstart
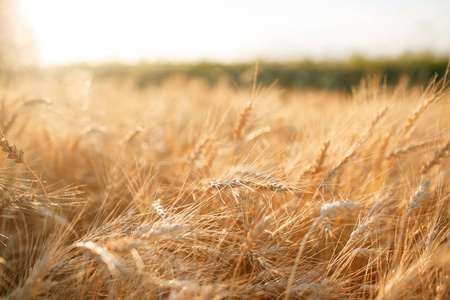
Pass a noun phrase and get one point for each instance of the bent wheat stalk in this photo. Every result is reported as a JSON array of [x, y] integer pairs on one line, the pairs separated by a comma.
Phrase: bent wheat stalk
[[17, 155]]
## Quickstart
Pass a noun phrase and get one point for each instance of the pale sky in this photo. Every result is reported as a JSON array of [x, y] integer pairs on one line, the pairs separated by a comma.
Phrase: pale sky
[[234, 30]]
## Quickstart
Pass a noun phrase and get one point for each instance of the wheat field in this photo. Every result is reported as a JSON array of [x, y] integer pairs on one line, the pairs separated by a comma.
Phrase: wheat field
[[190, 191]]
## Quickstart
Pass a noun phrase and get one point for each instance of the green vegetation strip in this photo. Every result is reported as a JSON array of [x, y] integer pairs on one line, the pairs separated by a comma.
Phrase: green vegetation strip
[[332, 75]]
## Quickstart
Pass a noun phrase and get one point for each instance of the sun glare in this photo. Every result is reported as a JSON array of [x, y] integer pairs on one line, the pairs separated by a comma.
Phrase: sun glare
[[69, 30]]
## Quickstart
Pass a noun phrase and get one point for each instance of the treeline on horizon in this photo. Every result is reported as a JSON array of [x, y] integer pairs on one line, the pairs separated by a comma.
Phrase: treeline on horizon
[[332, 75]]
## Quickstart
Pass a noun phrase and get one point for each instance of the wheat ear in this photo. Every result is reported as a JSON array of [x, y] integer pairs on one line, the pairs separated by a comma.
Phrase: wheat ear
[[251, 185], [101, 254], [201, 148], [358, 144], [17, 155], [243, 118], [242, 122], [246, 113], [257, 133], [416, 198], [252, 236], [410, 148], [132, 134], [318, 162], [34, 284], [437, 157], [415, 115]]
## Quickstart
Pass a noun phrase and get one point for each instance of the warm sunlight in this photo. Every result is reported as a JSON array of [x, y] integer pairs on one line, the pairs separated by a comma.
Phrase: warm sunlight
[[238, 149], [178, 30]]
